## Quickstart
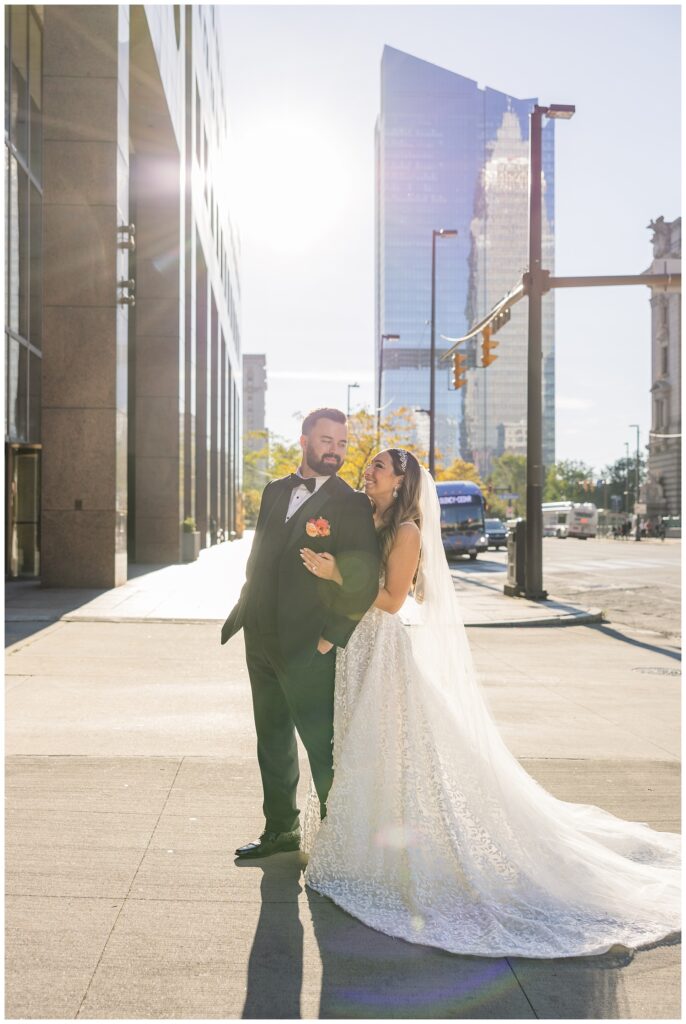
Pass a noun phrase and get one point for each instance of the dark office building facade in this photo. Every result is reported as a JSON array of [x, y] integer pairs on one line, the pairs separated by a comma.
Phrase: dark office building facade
[[123, 350], [451, 155]]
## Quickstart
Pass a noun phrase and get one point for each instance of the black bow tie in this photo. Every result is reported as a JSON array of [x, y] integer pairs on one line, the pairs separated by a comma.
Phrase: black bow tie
[[300, 481]]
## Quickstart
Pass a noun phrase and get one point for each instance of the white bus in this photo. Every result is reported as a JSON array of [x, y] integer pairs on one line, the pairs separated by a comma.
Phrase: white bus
[[569, 519]]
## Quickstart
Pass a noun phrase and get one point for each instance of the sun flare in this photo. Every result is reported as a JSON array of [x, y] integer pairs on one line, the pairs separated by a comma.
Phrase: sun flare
[[292, 182]]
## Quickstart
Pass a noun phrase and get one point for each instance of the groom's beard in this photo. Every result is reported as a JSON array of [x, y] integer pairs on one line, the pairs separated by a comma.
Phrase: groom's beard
[[327, 465]]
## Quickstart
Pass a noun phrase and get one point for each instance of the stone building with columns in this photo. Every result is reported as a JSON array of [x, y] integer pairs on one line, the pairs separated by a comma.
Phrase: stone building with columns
[[123, 368], [661, 493]]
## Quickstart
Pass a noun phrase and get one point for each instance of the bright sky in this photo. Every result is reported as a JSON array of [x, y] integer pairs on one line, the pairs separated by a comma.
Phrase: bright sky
[[303, 93]]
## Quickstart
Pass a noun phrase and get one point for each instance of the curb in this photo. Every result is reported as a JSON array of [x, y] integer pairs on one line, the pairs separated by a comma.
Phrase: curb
[[580, 619]]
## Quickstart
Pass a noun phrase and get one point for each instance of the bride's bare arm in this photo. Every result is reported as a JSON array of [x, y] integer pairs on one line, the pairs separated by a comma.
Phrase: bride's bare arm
[[400, 569]]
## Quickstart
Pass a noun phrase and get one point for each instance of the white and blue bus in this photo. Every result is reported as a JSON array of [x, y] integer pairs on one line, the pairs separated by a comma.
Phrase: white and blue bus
[[569, 519], [462, 518]]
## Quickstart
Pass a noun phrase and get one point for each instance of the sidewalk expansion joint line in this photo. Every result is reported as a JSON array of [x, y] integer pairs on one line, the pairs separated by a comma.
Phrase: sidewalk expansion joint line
[[126, 896], [507, 961]]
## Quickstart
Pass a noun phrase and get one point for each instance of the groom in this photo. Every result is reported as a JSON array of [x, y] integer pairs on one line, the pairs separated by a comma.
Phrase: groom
[[293, 621]]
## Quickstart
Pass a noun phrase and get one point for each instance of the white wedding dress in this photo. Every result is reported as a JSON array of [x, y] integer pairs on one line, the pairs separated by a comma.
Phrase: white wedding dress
[[435, 833]]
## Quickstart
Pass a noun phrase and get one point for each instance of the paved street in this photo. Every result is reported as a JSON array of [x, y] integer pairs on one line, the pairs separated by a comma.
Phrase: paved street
[[131, 777], [635, 584]]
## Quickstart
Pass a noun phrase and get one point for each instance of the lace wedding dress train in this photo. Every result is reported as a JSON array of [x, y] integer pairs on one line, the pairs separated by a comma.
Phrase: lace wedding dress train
[[436, 834]]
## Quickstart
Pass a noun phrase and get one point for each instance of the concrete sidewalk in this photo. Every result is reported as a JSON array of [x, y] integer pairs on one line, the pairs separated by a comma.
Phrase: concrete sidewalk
[[205, 591], [131, 777]]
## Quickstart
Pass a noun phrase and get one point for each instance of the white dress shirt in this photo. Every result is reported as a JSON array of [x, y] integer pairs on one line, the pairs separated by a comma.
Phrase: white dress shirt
[[299, 495]]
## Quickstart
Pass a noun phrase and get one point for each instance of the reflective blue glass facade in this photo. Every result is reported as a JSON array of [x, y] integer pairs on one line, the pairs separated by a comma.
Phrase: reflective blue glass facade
[[452, 155]]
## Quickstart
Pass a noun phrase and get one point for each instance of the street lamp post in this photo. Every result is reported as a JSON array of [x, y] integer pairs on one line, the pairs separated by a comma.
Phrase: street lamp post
[[384, 337], [350, 386], [442, 233], [638, 475], [536, 288]]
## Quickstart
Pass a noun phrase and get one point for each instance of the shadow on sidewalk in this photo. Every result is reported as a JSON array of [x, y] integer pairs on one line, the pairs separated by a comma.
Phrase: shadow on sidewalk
[[30, 607], [369, 975], [275, 966], [617, 634]]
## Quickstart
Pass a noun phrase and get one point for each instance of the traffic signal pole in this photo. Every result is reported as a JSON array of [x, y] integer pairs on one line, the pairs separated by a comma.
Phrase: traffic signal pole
[[534, 430], [533, 285], [432, 370]]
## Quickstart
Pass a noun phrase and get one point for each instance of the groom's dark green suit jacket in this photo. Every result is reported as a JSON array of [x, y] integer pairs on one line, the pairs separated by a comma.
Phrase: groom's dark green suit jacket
[[282, 597]]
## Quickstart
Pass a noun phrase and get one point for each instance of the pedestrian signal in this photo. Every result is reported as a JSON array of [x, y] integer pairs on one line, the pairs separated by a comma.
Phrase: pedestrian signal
[[459, 370], [487, 346]]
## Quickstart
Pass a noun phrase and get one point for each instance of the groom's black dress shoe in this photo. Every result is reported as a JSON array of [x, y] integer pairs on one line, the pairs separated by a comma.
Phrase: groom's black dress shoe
[[269, 843]]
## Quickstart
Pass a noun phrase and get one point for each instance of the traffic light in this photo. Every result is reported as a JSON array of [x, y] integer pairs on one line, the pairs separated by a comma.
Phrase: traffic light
[[459, 370], [500, 319], [487, 346]]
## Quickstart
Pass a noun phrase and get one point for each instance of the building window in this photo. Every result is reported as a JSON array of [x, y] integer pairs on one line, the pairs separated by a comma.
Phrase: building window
[[35, 268], [36, 97], [34, 412], [19, 109], [23, 223], [658, 414], [18, 242], [198, 126], [664, 361], [17, 390]]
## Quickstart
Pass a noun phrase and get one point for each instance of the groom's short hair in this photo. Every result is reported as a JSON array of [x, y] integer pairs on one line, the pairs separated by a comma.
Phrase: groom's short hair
[[322, 414]]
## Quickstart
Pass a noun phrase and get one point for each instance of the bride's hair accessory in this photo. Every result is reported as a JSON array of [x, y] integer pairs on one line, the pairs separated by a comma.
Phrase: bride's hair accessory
[[402, 458]]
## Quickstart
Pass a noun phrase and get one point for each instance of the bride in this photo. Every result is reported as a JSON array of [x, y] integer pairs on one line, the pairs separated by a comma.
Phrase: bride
[[434, 832]]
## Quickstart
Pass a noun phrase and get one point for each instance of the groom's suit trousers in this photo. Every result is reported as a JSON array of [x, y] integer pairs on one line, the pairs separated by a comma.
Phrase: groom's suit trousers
[[286, 699]]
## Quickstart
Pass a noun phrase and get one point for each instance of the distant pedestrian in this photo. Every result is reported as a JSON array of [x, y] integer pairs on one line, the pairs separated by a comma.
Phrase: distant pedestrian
[[661, 529]]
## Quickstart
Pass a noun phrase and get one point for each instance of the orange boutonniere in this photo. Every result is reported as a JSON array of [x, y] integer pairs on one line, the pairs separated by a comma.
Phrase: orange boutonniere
[[318, 528]]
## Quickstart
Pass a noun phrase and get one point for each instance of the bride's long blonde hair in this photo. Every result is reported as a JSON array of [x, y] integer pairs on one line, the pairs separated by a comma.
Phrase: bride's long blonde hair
[[406, 504]]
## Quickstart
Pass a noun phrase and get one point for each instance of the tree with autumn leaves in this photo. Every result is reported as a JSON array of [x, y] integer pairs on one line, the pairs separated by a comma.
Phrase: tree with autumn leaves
[[274, 456]]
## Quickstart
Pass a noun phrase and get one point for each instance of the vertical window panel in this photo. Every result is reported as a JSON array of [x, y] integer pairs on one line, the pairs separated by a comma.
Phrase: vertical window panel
[[34, 424], [7, 70], [19, 79], [7, 235], [7, 385], [26, 513], [198, 128], [36, 269], [16, 390], [18, 248], [36, 98]]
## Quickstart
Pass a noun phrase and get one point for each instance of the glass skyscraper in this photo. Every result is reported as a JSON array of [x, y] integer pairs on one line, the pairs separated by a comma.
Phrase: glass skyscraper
[[452, 155]]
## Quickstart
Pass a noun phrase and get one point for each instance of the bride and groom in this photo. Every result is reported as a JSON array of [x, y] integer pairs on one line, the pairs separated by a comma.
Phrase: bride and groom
[[419, 822]]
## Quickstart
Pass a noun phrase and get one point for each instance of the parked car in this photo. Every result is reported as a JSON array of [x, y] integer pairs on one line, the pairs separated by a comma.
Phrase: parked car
[[496, 533]]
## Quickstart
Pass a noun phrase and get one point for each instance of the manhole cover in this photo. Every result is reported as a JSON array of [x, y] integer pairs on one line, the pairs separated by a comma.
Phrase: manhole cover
[[659, 671]]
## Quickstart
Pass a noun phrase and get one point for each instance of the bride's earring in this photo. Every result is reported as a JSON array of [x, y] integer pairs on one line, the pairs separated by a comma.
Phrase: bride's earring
[[395, 493]]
